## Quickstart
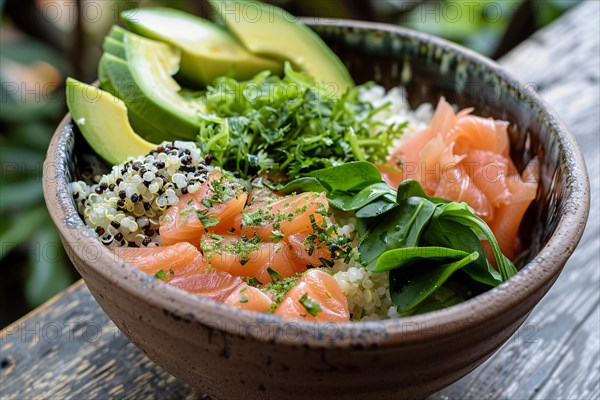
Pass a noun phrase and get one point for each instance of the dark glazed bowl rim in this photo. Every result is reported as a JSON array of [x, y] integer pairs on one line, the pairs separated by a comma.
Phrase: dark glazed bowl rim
[[539, 272]]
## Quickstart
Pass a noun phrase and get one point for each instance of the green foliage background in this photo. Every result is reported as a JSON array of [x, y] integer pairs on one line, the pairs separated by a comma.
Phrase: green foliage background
[[41, 44]]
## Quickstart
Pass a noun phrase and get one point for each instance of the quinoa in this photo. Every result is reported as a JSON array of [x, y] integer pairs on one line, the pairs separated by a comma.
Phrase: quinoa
[[125, 206]]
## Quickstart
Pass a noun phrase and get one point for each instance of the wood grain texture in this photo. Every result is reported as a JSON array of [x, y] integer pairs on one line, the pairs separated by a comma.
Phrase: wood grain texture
[[68, 348]]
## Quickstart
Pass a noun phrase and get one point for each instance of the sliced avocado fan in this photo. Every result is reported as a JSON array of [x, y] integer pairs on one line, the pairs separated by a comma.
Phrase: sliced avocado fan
[[269, 31], [207, 50], [102, 120], [139, 71]]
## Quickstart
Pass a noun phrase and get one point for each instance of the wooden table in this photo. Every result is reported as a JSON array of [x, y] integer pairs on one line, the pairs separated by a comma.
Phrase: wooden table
[[69, 348]]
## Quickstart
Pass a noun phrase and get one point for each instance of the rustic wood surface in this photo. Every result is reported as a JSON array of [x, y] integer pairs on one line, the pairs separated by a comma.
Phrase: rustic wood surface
[[68, 348]]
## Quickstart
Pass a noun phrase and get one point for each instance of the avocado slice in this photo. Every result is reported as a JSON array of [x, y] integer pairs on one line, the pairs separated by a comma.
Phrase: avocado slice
[[207, 50], [143, 81], [273, 32], [117, 33], [114, 47], [102, 120], [147, 130]]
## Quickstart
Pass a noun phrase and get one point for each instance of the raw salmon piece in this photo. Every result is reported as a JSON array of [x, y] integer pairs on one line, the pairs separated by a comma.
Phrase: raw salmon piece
[[223, 200], [300, 250], [174, 260], [215, 285], [315, 297], [291, 214], [249, 298], [249, 258], [213, 207]]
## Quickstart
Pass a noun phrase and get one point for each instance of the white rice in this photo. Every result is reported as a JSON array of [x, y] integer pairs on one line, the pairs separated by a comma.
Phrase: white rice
[[368, 293]]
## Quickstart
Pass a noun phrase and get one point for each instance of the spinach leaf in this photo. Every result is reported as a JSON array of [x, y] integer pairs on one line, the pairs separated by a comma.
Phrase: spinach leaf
[[413, 283], [460, 213], [400, 227], [348, 201], [348, 177], [449, 233], [441, 298], [401, 257], [376, 208]]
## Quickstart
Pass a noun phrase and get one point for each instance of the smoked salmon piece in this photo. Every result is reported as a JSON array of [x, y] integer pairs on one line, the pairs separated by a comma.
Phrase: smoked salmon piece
[[212, 208], [310, 253], [249, 298], [315, 297], [465, 158], [174, 260]]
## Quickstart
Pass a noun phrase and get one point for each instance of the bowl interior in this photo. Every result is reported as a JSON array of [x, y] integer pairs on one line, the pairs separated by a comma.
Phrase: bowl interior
[[429, 68]]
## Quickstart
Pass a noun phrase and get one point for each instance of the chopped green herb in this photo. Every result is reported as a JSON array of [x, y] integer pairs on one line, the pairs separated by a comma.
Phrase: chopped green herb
[[243, 299], [206, 219], [310, 305], [275, 276], [161, 275], [206, 203], [253, 281]]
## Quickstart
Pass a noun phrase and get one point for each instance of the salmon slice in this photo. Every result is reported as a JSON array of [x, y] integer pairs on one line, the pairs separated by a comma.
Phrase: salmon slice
[[508, 218], [212, 208], [252, 258], [249, 298], [215, 285], [465, 158], [174, 260], [457, 185], [490, 172], [289, 215], [309, 253], [315, 297]]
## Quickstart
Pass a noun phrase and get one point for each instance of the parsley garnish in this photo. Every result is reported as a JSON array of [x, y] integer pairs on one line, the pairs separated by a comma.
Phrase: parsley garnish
[[161, 275], [310, 305], [275, 276], [206, 219], [243, 299]]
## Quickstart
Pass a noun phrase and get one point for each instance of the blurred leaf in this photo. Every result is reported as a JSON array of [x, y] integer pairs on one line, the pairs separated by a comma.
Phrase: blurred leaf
[[20, 227], [18, 195], [48, 272], [17, 163], [35, 135]]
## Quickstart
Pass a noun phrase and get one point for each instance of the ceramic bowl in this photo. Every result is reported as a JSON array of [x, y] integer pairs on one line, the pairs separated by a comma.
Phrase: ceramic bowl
[[229, 353]]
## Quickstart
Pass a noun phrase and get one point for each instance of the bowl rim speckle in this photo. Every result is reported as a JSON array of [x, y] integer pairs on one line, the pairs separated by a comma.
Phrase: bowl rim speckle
[[542, 270]]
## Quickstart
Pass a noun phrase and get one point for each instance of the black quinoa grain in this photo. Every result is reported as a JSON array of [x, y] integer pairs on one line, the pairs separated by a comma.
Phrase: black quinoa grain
[[149, 232], [160, 149], [146, 241], [122, 194], [100, 230], [98, 190], [146, 206], [135, 198], [135, 167], [184, 190], [119, 236], [208, 159], [121, 203], [111, 187], [118, 181], [103, 185], [115, 224]]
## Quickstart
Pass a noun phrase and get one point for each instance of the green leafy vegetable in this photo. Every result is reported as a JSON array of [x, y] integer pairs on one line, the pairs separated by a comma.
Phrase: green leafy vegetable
[[290, 124], [413, 283], [161, 274]]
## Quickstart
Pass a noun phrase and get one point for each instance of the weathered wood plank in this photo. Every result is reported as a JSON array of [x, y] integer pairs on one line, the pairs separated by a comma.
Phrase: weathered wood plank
[[69, 348]]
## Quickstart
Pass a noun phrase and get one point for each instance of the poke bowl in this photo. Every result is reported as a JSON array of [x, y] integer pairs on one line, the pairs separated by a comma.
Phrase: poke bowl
[[228, 352]]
